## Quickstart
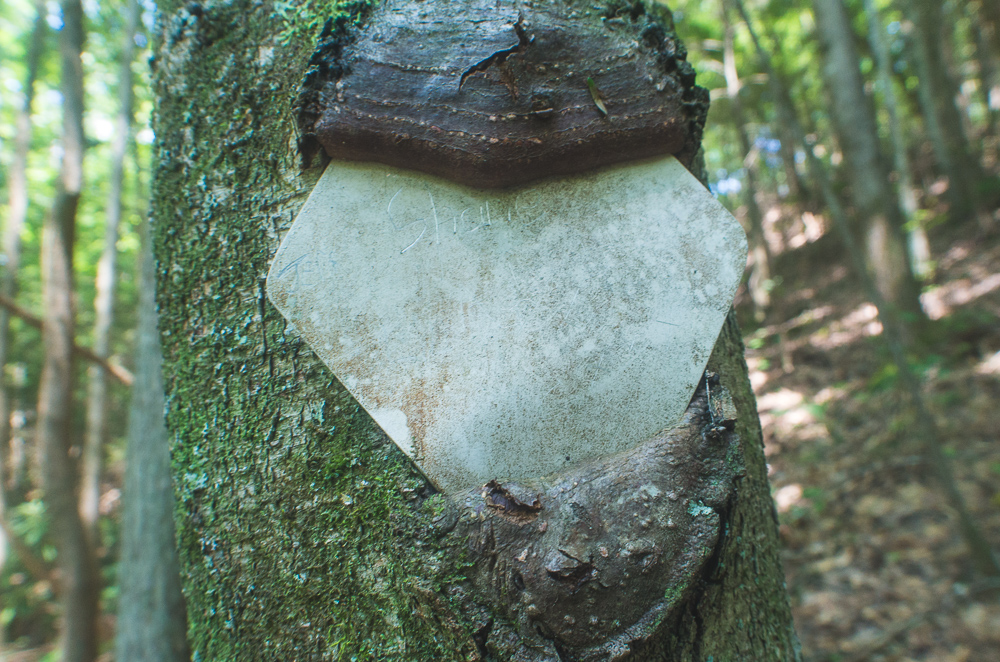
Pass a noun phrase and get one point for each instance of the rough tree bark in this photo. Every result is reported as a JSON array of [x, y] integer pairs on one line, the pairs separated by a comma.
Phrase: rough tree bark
[[854, 118], [304, 533], [79, 587]]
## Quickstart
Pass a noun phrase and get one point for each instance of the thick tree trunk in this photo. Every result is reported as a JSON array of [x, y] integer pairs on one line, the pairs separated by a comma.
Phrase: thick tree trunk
[[304, 532], [152, 623], [97, 387], [854, 118], [79, 587]]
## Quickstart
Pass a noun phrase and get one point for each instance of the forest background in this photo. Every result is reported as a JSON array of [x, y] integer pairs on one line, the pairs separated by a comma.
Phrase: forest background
[[868, 380]]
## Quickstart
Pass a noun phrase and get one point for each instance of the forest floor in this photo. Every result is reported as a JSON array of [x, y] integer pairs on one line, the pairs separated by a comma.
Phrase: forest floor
[[874, 561]]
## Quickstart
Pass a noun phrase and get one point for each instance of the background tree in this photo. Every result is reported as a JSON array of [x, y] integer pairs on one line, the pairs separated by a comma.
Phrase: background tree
[[79, 582], [853, 115]]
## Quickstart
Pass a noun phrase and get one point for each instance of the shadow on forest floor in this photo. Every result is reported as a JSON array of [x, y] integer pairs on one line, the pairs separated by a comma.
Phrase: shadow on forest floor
[[875, 565]]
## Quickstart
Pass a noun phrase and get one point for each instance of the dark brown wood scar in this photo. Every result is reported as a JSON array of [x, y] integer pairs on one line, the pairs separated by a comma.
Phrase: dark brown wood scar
[[456, 98]]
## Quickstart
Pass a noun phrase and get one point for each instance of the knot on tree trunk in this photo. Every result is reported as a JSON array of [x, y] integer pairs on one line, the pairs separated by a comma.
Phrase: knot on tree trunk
[[587, 564], [495, 94]]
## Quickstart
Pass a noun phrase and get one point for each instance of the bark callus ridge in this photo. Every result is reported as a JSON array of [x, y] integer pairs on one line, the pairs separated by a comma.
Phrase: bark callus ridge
[[587, 565], [495, 94]]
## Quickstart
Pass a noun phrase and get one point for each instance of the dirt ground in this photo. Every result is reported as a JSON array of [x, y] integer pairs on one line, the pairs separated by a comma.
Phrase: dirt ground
[[874, 561]]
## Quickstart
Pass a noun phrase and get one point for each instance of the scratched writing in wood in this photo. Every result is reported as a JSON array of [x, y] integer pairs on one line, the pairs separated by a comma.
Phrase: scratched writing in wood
[[506, 334]]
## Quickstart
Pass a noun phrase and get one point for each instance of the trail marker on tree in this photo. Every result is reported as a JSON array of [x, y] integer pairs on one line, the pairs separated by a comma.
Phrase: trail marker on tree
[[508, 334]]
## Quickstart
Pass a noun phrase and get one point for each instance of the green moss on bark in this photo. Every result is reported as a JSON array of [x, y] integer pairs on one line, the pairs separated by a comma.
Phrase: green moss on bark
[[295, 514]]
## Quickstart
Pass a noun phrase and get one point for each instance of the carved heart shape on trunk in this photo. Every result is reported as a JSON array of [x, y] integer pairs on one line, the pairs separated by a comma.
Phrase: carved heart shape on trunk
[[508, 334]]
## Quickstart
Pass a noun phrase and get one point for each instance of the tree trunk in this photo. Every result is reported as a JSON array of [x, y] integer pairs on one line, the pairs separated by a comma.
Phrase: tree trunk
[[17, 183], [854, 118], [760, 276], [917, 242], [937, 94], [987, 56], [152, 624], [78, 580], [306, 533], [93, 444]]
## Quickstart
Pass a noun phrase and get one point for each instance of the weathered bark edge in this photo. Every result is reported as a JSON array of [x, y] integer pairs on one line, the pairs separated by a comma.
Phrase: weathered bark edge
[[589, 563], [535, 118]]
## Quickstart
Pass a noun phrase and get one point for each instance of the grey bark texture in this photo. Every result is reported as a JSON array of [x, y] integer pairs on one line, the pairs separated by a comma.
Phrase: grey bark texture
[[152, 624], [853, 116], [79, 587], [304, 533]]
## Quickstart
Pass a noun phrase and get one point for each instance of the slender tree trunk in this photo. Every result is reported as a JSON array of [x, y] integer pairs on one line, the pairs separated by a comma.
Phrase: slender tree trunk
[[17, 182], [152, 623], [79, 588], [854, 118], [989, 19], [917, 242], [987, 58], [937, 94], [760, 276], [92, 460], [306, 533]]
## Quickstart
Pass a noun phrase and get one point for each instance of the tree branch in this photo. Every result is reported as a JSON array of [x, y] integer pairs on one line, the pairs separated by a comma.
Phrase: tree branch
[[123, 375]]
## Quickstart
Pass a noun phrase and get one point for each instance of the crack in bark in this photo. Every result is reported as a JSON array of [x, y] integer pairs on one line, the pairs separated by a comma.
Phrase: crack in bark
[[500, 57]]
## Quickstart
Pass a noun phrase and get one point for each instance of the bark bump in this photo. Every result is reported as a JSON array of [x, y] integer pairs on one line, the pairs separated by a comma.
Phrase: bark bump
[[587, 564], [502, 93]]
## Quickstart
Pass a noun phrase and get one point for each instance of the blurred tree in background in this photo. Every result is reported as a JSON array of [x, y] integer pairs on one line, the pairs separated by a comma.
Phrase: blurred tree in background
[[882, 112]]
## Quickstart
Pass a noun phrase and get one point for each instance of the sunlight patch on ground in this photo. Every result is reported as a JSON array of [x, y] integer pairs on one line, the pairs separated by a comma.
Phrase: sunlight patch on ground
[[784, 399], [941, 301], [787, 414], [988, 366], [787, 496], [859, 323], [758, 378]]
